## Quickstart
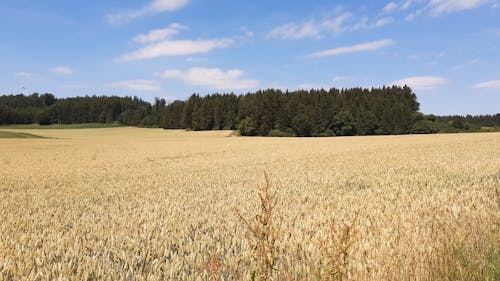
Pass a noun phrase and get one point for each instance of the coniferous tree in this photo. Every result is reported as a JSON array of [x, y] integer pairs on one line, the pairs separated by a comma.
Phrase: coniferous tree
[[356, 111]]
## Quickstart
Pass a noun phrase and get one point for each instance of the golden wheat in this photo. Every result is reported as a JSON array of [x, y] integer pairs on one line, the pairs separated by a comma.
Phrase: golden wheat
[[148, 204]]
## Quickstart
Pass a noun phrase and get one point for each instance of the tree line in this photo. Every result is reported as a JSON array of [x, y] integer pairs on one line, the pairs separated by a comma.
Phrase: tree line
[[271, 112], [468, 122], [354, 111], [45, 109]]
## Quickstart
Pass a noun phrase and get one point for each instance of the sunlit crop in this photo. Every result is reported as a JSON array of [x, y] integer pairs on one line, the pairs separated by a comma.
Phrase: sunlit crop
[[149, 204]]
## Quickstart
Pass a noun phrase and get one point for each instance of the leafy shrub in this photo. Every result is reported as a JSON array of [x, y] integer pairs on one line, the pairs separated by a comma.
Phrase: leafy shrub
[[281, 133], [347, 130], [247, 127], [425, 127], [327, 133]]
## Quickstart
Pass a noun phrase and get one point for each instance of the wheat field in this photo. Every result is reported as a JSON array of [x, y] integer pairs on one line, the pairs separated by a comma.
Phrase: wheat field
[[150, 204]]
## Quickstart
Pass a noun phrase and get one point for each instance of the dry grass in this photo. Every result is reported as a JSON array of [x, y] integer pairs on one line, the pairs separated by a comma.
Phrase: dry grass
[[146, 204], [262, 234]]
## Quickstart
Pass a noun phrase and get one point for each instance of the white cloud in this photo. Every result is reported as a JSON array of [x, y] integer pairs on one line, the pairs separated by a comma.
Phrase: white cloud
[[422, 82], [62, 70], [213, 77], [471, 62], [154, 7], [296, 31], [384, 21], [363, 23], [160, 34], [24, 75], [364, 47], [337, 25], [167, 5], [406, 4], [316, 29], [414, 15], [495, 84], [391, 6], [137, 85], [438, 7], [176, 48]]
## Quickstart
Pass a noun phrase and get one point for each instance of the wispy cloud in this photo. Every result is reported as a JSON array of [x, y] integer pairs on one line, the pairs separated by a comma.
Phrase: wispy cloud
[[160, 34], [137, 85], [495, 84], [462, 66], [416, 8], [422, 82], [296, 31], [439, 7], [363, 47], [338, 24], [384, 21], [176, 48], [154, 7], [62, 70], [213, 77], [159, 43], [405, 5], [433, 7], [391, 6], [316, 29], [413, 15]]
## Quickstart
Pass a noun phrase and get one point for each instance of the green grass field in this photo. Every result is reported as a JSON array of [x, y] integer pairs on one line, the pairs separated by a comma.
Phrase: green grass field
[[63, 126]]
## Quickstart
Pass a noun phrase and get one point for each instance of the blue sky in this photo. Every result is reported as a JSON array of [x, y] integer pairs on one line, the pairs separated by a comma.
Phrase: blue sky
[[447, 50]]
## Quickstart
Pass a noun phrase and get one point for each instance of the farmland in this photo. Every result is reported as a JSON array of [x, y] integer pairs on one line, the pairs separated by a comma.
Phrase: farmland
[[148, 204]]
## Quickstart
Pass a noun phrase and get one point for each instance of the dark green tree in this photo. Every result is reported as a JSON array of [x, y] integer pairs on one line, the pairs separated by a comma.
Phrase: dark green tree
[[246, 127]]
